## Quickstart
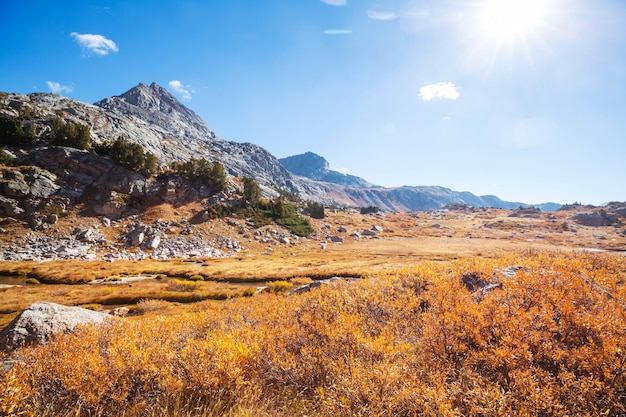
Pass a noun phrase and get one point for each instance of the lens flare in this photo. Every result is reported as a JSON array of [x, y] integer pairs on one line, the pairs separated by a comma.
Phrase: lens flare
[[510, 19]]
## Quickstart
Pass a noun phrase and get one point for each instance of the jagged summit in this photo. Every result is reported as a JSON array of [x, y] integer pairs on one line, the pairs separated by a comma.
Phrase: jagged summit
[[184, 134], [157, 106], [153, 97]]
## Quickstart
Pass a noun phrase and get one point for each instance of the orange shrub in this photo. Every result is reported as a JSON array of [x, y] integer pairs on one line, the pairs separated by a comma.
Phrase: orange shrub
[[550, 341]]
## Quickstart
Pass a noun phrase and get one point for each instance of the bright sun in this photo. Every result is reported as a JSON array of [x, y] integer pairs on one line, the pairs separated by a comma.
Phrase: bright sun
[[512, 19]]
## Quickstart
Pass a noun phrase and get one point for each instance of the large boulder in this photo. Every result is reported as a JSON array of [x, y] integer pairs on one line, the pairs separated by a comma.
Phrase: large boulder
[[596, 219], [41, 320]]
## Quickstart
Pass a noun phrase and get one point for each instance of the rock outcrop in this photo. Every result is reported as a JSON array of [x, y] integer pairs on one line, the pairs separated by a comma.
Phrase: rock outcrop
[[41, 320], [154, 108], [596, 218]]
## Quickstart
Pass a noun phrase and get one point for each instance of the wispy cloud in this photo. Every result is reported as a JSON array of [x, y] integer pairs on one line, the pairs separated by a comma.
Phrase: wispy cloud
[[381, 14], [338, 32], [57, 88], [184, 90], [439, 91], [335, 2], [97, 44]]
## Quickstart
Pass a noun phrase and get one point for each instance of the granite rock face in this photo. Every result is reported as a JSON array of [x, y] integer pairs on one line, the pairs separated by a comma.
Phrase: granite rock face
[[154, 108]]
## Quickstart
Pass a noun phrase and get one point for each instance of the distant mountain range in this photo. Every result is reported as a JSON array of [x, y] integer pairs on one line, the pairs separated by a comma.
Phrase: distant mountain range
[[153, 118], [362, 192]]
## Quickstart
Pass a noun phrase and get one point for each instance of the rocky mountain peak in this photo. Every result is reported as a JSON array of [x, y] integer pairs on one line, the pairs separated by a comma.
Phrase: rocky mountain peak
[[183, 134], [156, 106], [153, 98]]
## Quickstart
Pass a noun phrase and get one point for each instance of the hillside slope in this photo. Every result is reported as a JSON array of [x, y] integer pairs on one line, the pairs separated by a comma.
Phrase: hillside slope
[[152, 117]]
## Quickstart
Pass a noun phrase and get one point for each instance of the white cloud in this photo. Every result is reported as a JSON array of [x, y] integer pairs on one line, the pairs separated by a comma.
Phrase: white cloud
[[184, 90], [439, 91], [335, 2], [97, 44], [57, 88]]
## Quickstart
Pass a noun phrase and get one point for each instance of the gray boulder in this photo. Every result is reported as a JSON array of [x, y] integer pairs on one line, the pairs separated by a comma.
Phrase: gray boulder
[[88, 235], [40, 321], [10, 207], [15, 188], [314, 285], [595, 219], [42, 182], [151, 242]]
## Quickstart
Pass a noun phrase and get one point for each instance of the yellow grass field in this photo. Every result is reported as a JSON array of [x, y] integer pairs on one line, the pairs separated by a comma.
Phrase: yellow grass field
[[405, 240]]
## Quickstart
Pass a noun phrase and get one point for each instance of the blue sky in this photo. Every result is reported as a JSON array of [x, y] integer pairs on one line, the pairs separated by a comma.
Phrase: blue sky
[[524, 99]]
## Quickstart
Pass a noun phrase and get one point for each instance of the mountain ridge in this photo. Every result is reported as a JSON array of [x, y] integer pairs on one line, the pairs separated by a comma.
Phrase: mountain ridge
[[155, 119]]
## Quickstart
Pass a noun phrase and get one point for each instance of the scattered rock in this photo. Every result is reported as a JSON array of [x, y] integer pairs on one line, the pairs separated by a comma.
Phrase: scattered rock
[[182, 248], [36, 222], [135, 234], [336, 239], [512, 271], [10, 206], [478, 286], [368, 233], [317, 284], [88, 235], [473, 281], [120, 312], [151, 242]]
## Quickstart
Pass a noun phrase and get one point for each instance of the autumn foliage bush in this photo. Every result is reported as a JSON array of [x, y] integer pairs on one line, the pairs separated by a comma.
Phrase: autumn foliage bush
[[550, 341]]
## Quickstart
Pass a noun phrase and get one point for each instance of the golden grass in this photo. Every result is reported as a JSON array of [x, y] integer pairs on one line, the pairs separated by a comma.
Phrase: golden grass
[[406, 240], [412, 341], [15, 299]]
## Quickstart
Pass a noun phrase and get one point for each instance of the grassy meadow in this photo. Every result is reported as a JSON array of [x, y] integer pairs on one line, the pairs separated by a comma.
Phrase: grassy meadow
[[408, 338]]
